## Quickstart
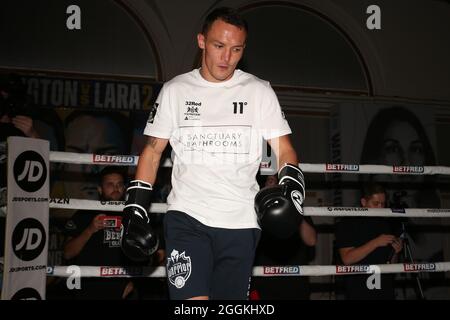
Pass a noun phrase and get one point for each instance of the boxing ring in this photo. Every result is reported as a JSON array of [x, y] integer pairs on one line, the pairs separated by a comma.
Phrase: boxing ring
[[258, 271], [261, 271]]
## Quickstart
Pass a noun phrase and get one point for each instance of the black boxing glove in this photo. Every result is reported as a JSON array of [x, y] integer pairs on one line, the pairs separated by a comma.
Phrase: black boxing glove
[[291, 177], [139, 241], [279, 209]]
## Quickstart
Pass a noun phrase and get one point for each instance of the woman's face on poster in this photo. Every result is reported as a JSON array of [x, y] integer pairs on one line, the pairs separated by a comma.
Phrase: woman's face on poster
[[402, 145]]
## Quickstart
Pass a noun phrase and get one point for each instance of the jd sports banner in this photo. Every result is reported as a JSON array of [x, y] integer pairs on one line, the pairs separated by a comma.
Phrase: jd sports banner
[[27, 219]]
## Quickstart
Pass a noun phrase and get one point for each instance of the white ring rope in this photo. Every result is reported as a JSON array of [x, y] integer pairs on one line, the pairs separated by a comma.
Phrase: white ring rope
[[259, 271], [98, 159], [116, 206], [127, 160]]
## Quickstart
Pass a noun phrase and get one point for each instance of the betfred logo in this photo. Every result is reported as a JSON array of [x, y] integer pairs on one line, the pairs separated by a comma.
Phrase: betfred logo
[[353, 269], [30, 171], [414, 267], [265, 164], [281, 270], [341, 167], [408, 169], [102, 158], [110, 271], [118, 271]]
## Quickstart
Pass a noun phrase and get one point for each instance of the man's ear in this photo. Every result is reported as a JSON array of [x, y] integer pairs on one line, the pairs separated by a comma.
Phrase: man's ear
[[363, 202], [99, 190], [201, 41]]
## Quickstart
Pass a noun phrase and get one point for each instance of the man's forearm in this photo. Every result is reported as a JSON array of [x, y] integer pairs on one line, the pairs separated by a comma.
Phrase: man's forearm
[[355, 255], [74, 246], [288, 157], [308, 234], [147, 167], [284, 151], [149, 161]]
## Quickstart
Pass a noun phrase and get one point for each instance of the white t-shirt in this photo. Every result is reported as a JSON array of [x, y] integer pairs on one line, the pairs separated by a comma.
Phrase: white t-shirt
[[216, 131]]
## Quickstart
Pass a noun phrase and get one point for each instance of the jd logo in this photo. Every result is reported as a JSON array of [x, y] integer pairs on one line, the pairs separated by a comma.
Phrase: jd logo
[[30, 171], [26, 294], [28, 239]]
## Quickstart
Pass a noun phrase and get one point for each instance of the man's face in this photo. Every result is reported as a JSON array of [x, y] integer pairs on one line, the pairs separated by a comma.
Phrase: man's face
[[87, 134], [112, 187], [377, 200], [222, 47]]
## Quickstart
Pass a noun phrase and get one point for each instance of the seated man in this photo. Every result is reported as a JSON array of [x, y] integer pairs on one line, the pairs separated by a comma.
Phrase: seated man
[[94, 240]]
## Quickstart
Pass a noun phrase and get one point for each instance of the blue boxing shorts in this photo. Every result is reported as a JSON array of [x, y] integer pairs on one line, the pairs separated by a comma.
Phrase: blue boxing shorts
[[207, 261]]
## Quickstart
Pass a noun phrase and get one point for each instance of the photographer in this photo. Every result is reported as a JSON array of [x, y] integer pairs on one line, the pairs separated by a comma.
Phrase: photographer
[[15, 109], [23, 123], [94, 240], [366, 241], [15, 118]]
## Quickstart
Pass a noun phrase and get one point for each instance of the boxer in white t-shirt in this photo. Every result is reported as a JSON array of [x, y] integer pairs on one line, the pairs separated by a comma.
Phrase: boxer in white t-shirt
[[215, 118]]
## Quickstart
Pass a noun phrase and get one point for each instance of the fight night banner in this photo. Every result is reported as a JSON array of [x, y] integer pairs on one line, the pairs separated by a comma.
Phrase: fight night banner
[[26, 236], [126, 95]]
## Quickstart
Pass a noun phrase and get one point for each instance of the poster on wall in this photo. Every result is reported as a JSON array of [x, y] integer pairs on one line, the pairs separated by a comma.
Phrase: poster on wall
[[401, 136]]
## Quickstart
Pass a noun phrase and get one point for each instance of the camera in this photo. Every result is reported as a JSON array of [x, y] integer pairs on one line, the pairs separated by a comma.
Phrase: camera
[[398, 199], [112, 221]]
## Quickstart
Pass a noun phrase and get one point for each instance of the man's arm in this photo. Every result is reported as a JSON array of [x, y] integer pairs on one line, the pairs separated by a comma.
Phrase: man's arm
[[150, 158], [279, 208], [308, 233], [284, 151], [139, 240], [74, 245], [352, 255], [25, 124]]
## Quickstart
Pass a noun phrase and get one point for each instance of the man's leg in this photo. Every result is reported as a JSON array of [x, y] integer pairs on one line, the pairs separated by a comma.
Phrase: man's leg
[[189, 257], [234, 251]]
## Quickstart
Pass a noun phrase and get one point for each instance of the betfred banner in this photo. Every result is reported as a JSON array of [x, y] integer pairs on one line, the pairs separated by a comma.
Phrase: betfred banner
[[26, 236]]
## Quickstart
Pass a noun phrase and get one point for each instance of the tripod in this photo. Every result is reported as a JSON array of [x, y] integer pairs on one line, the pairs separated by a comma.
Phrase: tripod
[[409, 258]]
